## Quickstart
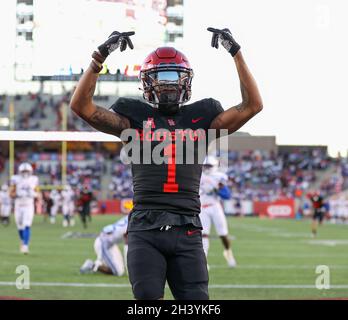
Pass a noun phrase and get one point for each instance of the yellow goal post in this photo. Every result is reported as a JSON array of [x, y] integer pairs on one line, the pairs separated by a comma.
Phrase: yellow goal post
[[52, 136]]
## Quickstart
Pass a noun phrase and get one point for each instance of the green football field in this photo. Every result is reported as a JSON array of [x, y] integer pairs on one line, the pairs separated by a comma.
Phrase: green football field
[[277, 259]]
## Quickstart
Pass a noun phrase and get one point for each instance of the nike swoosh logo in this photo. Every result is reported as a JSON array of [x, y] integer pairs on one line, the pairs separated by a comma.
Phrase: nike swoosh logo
[[191, 232], [196, 120]]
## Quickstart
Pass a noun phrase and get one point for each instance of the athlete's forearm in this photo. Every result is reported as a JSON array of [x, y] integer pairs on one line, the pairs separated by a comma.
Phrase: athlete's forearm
[[13, 192], [82, 100], [249, 90], [97, 117], [235, 117]]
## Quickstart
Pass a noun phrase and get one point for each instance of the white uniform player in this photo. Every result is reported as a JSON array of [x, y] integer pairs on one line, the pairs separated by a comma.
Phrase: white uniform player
[[342, 208], [68, 206], [109, 258], [334, 209], [24, 190], [345, 210], [56, 203], [5, 204], [212, 189]]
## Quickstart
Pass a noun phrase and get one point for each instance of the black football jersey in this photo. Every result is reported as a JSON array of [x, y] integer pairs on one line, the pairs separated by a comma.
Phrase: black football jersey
[[172, 186], [317, 201]]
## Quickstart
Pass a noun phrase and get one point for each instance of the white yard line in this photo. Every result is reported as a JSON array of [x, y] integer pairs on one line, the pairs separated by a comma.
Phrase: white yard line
[[341, 254], [285, 266], [213, 286]]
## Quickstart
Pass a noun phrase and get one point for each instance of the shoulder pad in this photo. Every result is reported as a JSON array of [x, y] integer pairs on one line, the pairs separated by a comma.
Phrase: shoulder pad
[[133, 109]]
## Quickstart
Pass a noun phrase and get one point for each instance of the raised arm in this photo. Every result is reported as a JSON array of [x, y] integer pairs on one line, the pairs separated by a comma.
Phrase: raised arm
[[82, 100], [235, 117]]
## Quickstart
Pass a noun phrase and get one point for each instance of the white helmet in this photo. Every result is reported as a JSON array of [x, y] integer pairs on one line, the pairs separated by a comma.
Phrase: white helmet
[[4, 188], [25, 169], [67, 187], [210, 164]]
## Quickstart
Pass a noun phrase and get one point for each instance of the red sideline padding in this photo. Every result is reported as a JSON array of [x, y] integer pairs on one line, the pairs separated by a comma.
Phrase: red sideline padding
[[284, 208], [109, 206]]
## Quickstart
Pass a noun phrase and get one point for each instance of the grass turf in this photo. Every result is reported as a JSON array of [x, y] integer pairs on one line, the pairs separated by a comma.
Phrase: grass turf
[[271, 255]]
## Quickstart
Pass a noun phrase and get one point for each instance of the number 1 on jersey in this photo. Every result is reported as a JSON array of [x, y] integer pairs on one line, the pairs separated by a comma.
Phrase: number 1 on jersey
[[171, 185]]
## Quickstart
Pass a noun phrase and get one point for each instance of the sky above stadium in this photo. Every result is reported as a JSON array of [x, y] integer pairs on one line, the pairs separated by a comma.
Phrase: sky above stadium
[[297, 51]]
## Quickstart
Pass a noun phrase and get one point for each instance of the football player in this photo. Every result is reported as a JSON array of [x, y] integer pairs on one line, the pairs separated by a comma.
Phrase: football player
[[84, 205], [319, 210], [341, 208], [164, 228], [109, 258], [56, 203], [68, 206], [213, 188], [24, 189], [5, 205]]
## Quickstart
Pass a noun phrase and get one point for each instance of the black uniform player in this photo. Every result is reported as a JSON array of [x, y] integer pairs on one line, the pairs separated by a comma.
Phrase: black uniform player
[[319, 210], [48, 203], [164, 230], [84, 205]]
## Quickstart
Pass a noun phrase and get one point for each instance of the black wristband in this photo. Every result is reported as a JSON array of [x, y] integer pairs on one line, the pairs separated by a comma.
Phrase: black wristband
[[95, 67], [234, 49], [98, 57]]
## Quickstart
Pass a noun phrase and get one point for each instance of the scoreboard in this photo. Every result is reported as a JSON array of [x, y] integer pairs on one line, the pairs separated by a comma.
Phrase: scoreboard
[[66, 32]]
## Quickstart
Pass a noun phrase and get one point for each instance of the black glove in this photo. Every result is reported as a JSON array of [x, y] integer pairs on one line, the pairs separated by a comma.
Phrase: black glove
[[224, 36], [115, 40]]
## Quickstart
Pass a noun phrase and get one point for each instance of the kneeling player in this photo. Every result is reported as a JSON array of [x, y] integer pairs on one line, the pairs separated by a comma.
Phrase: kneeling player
[[109, 257], [212, 188], [24, 188], [5, 205]]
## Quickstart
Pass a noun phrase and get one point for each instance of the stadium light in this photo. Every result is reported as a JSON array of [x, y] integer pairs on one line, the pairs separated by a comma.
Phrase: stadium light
[[4, 122]]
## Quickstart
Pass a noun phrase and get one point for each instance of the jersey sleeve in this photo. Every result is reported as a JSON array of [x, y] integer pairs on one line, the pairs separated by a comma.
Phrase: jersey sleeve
[[215, 109], [128, 108], [108, 229], [13, 180]]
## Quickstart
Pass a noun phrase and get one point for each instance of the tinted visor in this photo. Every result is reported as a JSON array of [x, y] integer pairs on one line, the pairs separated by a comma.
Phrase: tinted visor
[[156, 78]]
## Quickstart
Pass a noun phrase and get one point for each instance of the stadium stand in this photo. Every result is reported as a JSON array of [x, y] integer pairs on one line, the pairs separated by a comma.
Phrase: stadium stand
[[265, 173], [35, 111]]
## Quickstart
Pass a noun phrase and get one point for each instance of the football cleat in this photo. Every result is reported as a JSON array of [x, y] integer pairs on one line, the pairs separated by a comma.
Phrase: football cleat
[[25, 249], [230, 258], [87, 267]]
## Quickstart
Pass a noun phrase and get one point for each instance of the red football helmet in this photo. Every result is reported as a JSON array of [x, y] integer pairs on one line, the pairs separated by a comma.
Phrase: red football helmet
[[166, 77]]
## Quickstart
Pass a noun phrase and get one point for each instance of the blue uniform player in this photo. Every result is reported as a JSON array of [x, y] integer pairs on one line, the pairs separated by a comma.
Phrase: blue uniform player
[[109, 258]]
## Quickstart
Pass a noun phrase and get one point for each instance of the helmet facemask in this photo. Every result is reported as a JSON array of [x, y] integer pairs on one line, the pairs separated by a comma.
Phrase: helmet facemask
[[25, 170], [25, 174], [167, 87]]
